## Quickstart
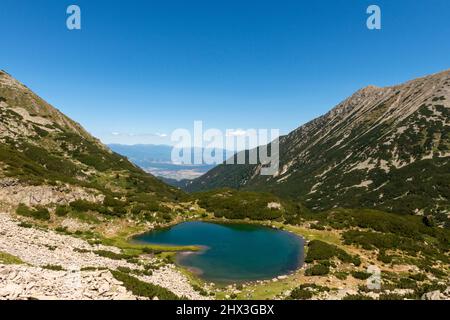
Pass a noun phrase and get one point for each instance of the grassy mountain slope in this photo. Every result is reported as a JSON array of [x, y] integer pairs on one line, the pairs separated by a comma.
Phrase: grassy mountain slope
[[385, 148], [40, 146]]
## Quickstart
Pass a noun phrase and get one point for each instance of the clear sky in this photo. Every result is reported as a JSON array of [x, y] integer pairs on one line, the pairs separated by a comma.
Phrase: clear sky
[[139, 69]]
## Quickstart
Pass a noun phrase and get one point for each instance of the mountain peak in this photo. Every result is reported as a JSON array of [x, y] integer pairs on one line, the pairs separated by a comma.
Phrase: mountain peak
[[370, 87], [371, 150]]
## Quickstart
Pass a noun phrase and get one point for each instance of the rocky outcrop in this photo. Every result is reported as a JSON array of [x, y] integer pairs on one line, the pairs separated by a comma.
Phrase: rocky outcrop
[[12, 192], [26, 282], [437, 295], [42, 248]]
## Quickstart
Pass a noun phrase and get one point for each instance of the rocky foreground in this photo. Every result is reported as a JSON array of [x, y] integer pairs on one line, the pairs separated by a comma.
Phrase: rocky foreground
[[57, 266]]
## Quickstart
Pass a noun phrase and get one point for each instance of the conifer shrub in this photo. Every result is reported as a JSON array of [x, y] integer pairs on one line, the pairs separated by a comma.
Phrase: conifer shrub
[[319, 250], [317, 270], [143, 289], [360, 275], [61, 211], [39, 213]]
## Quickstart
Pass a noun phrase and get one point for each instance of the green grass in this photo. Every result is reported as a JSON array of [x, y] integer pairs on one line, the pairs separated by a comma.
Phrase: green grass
[[131, 248], [325, 236], [360, 275], [39, 213], [6, 258]]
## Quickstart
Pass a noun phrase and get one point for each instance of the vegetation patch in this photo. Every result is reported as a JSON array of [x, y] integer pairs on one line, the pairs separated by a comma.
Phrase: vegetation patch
[[360, 275], [319, 250], [307, 291], [143, 289], [53, 267], [317, 270], [233, 204], [24, 224], [6, 258], [62, 211], [111, 255], [39, 213]]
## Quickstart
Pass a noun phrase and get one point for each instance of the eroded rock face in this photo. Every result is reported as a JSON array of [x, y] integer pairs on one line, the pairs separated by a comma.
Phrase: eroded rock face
[[12, 192]]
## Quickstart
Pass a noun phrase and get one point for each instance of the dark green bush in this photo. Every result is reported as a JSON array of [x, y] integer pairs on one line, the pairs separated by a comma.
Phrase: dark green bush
[[383, 257], [25, 225], [143, 289], [124, 269], [360, 275], [39, 213], [53, 267], [307, 290], [319, 250], [61, 211], [317, 227], [371, 240], [200, 290], [341, 275], [61, 229], [418, 277], [301, 294], [111, 255], [317, 270]]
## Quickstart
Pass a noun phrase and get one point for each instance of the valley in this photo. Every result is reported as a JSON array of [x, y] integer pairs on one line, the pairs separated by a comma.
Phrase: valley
[[383, 148], [366, 186]]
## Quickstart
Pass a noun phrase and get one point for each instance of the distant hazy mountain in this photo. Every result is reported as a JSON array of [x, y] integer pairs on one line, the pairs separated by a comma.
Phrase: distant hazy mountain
[[156, 159], [383, 147], [144, 152]]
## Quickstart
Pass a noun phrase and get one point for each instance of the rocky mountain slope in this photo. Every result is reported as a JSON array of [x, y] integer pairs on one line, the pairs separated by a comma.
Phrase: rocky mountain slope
[[69, 206], [62, 195], [49, 265], [387, 148], [46, 158]]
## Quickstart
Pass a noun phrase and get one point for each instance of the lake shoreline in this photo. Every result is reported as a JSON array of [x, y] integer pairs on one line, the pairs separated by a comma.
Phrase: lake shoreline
[[197, 273]]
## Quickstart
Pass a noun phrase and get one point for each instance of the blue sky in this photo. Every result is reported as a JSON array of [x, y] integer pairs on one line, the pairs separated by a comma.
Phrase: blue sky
[[140, 69]]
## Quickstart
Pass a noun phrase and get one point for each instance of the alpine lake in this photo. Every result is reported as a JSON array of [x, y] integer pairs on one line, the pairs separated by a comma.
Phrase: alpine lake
[[231, 252]]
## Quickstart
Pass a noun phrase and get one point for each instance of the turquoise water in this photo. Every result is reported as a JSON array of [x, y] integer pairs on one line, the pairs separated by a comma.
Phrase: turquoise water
[[233, 252]]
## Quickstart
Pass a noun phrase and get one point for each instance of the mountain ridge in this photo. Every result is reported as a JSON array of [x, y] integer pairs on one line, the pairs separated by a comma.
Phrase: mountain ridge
[[362, 143], [43, 150]]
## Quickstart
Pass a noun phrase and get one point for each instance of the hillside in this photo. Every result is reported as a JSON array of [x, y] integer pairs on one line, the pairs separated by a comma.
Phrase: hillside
[[69, 208], [46, 158], [385, 148]]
